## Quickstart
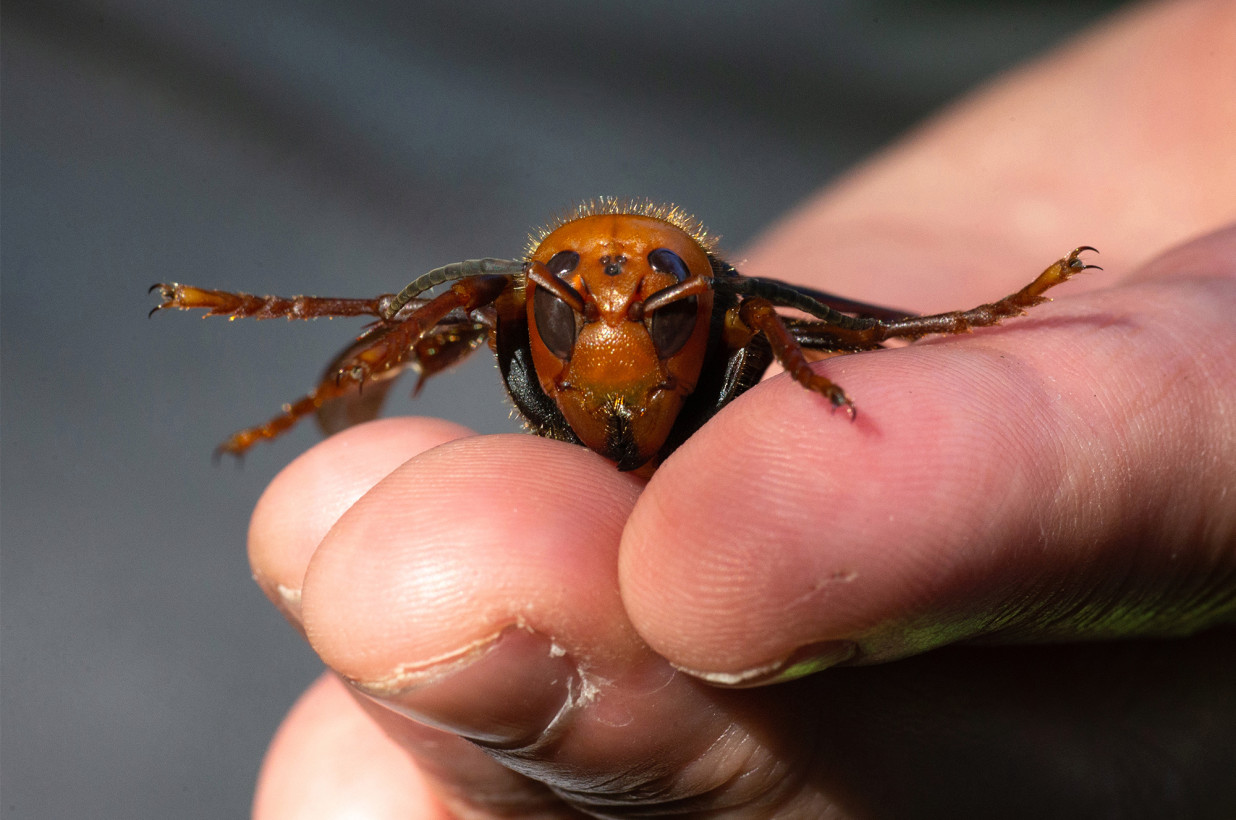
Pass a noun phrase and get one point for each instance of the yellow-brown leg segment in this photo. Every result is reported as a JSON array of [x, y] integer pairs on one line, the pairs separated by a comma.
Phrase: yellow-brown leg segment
[[239, 442], [249, 306], [760, 315], [438, 351], [393, 348], [382, 351], [962, 321]]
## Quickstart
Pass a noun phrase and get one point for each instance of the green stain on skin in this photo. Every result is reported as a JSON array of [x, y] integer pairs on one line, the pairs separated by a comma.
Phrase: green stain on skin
[[1052, 620]]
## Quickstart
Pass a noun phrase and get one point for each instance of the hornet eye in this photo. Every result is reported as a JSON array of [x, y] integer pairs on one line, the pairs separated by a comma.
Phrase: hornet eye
[[672, 325], [663, 260], [555, 322], [562, 263]]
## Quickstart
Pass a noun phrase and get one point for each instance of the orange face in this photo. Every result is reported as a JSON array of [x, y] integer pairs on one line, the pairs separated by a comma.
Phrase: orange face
[[619, 366]]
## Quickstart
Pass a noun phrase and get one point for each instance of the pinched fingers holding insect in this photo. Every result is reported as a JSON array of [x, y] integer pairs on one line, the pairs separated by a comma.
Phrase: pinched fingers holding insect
[[533, 657]]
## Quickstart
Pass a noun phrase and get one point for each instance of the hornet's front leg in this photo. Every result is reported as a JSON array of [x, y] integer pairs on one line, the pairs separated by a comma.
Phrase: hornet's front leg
[[838, 333], [249, 306], [962, 321], [759, 315], [380, 353]]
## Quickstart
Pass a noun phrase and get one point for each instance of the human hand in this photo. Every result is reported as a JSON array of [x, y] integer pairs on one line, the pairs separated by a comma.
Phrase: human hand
[[1065, 477]]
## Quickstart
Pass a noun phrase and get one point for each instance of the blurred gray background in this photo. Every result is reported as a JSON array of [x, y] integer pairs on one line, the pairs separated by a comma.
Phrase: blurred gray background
[[337, 148]]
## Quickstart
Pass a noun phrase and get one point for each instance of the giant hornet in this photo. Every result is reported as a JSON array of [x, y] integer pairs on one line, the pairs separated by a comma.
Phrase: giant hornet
[[621, 330]]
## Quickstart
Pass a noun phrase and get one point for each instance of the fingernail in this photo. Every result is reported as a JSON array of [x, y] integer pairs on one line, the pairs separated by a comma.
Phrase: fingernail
[[286, 600], [802, 662], [502, 691]]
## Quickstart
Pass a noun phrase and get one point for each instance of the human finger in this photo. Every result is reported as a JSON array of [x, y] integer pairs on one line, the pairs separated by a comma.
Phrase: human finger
[[474, 590], [295, 514], [1063, 477], [948, 430], [308, 496], [1123, 137], [330, 759]]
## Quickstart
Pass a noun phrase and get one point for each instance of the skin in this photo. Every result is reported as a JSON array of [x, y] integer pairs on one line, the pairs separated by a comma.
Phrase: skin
[[1022, 554]]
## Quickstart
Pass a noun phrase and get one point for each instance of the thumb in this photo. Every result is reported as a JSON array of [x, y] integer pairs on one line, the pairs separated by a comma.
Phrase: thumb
[[1067, 476]]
